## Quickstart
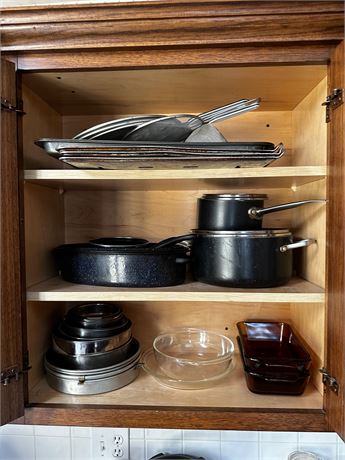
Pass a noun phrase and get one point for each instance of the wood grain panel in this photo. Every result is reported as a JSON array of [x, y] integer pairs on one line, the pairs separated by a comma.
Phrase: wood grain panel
[[297, 290], [336, 250], [186, 57], [309, 130], [161, 10], [230, 393], [176, 179], [308, 322], [169, 417], [40, 120], [45, 230], [153, 318], [163, 91], [12, 395], [154, 215], [42, 317], [309, 221], [181, 31]]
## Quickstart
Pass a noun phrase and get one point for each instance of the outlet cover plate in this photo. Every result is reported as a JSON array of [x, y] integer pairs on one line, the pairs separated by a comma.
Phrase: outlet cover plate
[[110, 443]]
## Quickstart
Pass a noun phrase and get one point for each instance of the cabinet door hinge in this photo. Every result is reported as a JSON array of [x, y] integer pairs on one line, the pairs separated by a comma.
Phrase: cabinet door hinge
[[8, 107], [333, 100], [13, 373], [329, 381]]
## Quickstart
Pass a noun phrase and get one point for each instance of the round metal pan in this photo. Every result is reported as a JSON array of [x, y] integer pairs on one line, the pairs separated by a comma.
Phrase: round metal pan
[[123, 325], [94, 383], [94, 315], [91, 364], [74, 346]]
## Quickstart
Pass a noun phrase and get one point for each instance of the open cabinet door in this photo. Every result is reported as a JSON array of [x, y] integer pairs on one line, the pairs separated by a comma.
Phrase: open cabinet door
[[11, 353], [335, 362]]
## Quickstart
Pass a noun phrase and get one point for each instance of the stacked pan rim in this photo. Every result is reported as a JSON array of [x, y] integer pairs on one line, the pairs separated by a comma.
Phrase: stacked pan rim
[[93, 351], [274, 360]]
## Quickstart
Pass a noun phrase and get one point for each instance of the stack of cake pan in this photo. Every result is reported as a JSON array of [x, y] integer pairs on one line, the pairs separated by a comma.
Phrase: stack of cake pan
[[274, 360], [93, 351]]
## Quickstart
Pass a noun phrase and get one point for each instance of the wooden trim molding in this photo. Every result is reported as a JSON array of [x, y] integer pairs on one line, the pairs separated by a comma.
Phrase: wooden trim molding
[[169, 58], [168, 417], [162, 10], [150, 25]]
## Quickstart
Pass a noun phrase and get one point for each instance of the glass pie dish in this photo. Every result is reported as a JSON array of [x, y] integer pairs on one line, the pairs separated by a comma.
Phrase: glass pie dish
[[193, 354], [151, 366]]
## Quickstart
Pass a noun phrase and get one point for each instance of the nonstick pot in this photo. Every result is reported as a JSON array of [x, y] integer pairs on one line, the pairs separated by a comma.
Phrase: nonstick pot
[[246, 259], [124, 265], [238, 211]]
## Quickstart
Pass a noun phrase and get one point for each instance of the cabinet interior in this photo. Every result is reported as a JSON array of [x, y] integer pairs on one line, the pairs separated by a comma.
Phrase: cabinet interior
[[162, 204]]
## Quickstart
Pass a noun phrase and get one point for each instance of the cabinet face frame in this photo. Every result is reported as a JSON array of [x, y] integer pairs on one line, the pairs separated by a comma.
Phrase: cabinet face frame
[[315, 48], [12, 314]]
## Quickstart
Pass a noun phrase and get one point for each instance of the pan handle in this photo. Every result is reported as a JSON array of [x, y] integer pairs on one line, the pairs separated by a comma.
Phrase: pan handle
[[298, 244], [173, 240], [258, 213]]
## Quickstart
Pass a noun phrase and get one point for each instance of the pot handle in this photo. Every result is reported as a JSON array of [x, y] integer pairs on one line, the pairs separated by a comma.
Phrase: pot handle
[[298, 244], [173, 240], [258, 213]]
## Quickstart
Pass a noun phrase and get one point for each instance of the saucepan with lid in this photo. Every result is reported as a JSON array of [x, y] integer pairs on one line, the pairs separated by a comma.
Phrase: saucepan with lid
[[241, 211]]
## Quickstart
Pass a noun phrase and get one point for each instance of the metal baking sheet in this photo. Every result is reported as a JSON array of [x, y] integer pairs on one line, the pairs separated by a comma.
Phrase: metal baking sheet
[[166, 163], [57, 147]]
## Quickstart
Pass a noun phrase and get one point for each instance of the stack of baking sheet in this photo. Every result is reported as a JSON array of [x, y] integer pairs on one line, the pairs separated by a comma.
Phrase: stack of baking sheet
[[105, 154]]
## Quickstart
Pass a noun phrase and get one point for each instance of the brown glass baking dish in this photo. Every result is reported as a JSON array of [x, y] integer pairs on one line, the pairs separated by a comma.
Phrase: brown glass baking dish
[[272, 345], [275, 381]]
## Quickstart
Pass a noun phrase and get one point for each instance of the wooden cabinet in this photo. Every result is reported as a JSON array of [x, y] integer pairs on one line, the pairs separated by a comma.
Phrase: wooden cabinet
[[168, 57]]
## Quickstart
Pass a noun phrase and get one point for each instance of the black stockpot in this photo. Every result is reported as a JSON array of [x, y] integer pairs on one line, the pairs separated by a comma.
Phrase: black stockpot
[[246, 259], [123, 262], [241, 211]]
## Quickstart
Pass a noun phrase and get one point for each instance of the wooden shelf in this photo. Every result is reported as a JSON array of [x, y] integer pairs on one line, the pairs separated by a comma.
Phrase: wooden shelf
[[183, 179], [232, 392], [297, 290]]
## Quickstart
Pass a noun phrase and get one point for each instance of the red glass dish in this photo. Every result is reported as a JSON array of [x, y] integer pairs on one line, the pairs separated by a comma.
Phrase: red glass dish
[[272, 345], [275, 382]]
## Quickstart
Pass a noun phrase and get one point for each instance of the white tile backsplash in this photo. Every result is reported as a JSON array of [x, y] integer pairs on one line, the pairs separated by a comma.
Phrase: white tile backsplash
[[203, 435], [210, 450], [46, 430], [81, 448], [276, 450], [80, 432], [245, 436], [16, 447], [137, 449], [278, 436], [25, 442], [239, 450], [164, 434], [317, 437], [53, 448], [323, 450], [18, 430], [156, 446]]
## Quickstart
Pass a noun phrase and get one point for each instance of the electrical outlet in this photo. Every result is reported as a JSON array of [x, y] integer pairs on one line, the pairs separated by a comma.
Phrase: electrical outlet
[[110, 443]]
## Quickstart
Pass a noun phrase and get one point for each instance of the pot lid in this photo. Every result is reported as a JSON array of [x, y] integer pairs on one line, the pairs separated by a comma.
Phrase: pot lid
[[263, 233], [233, 196]]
